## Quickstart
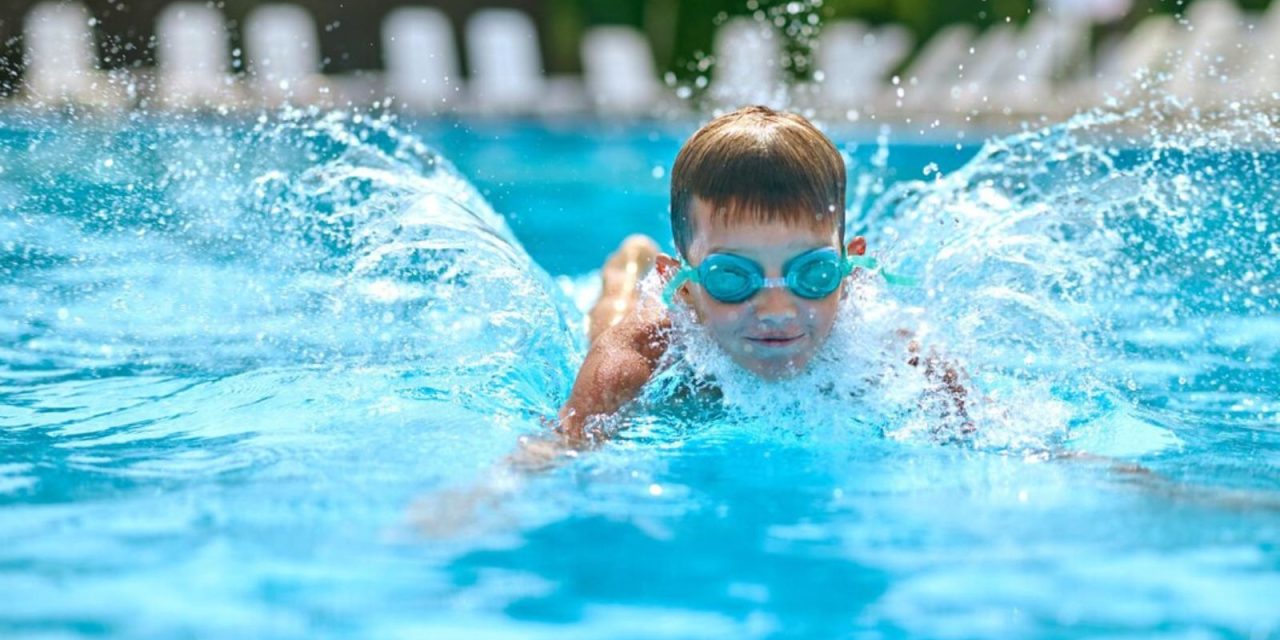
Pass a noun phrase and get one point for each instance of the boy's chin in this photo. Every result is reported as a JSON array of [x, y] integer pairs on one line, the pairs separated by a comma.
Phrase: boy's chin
[[771, 370]]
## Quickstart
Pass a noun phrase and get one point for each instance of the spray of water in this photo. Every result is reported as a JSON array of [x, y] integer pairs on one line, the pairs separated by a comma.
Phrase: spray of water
[[1046, 264], [178, 244]]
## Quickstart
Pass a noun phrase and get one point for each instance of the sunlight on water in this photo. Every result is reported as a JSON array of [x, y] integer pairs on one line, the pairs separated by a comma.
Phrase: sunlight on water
[[233, 354]]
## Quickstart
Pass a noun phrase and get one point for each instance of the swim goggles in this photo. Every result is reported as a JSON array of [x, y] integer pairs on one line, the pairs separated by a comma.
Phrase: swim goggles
[[812, 275]]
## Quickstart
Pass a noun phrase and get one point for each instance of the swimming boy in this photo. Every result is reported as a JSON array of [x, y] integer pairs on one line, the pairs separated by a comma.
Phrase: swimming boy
[[757, 214]]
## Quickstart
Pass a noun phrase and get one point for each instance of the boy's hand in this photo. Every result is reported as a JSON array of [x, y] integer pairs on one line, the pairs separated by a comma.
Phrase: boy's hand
[[950, 384], [458, 511]]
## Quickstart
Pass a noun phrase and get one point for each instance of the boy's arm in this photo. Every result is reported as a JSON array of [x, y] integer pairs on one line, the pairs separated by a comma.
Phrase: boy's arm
[[619, 363], [950, 387], [943, 373]]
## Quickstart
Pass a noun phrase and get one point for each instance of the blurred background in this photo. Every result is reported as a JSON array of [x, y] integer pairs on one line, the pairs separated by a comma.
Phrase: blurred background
[[966, 59]]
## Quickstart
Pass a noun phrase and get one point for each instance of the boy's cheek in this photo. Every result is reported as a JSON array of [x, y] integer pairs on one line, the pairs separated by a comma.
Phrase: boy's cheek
[[731, 314], [711, 312]]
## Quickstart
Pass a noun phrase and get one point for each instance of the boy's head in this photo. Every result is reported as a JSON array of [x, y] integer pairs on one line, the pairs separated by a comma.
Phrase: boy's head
[[769, 187]]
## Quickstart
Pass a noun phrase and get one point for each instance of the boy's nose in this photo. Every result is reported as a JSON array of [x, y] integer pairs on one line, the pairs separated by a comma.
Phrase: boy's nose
[[775, 304]]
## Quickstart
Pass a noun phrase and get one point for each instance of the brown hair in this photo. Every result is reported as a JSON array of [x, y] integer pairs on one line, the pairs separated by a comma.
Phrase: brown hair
[[760, 165]]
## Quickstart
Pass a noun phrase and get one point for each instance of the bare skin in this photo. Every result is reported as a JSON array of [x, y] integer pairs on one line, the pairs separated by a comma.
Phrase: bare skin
[[621, 273], [950, 383], [626, 343]]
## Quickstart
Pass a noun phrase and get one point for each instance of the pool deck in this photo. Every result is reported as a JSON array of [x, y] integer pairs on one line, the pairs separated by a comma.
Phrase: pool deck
[[1216, 57]]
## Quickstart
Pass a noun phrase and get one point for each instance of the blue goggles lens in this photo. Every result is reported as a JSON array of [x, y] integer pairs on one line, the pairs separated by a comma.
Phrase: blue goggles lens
[[812, 275], [732, 279]]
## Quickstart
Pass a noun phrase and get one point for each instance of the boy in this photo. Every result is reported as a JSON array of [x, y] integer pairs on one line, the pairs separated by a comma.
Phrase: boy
[[757, 214]]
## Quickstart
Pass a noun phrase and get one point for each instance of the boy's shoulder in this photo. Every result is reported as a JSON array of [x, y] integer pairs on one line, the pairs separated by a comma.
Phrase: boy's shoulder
[[645, 331]]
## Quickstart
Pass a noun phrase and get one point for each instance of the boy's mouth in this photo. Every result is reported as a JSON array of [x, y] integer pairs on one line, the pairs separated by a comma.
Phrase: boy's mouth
[[775, 340]]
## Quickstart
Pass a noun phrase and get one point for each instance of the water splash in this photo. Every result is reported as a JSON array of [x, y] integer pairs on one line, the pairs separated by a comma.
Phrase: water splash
[[1051, 264], [192, 247]]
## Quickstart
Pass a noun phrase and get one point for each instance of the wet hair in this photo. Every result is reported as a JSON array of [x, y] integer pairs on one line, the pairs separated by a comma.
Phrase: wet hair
[[758, 165]]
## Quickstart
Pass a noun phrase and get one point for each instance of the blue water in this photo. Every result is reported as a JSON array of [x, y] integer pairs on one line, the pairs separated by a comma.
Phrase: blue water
[[257, 376]]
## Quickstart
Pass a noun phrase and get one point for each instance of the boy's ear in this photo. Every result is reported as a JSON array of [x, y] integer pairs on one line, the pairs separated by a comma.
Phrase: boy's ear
[[856, 247], [667, 266]]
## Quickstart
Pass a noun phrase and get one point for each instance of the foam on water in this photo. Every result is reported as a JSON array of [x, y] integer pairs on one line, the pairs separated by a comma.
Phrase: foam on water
[[860, 385], [1050, 257]]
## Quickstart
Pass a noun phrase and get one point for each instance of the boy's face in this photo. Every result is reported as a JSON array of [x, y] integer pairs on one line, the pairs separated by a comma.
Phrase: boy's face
[[775, 332]]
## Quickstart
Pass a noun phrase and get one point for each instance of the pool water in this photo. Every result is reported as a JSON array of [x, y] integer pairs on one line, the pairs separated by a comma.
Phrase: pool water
[[257, 376]]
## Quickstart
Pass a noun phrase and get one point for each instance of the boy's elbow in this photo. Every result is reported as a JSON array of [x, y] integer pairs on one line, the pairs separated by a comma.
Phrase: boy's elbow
[[620, 379], [612, 376]]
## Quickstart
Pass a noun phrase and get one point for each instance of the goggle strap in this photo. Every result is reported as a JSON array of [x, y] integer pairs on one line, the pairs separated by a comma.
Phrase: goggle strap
[[866, 262], [685, 274], [899, 281], [869, 263]]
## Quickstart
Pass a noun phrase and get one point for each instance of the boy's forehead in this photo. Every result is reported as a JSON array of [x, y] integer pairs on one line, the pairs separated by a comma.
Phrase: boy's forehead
[[725, 230], [719, 220]]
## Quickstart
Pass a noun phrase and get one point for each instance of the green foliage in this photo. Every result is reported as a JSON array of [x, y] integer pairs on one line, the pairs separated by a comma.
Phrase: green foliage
[[683, 31]]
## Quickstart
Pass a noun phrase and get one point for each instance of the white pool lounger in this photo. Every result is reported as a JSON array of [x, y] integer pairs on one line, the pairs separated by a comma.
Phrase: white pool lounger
[[1133, 67], [747, 65], [505, 62], [620, 75], [1209, 61], [193, 58], [1050, 50], [983, 79], [1265, 49], [855, 61], [421, 59], [844, 80], [1251, 61], [284, 55], [934, 78], [61, 64]]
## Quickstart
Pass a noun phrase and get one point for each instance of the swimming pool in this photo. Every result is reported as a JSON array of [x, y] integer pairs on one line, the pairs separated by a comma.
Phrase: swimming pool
[[242, 361]]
